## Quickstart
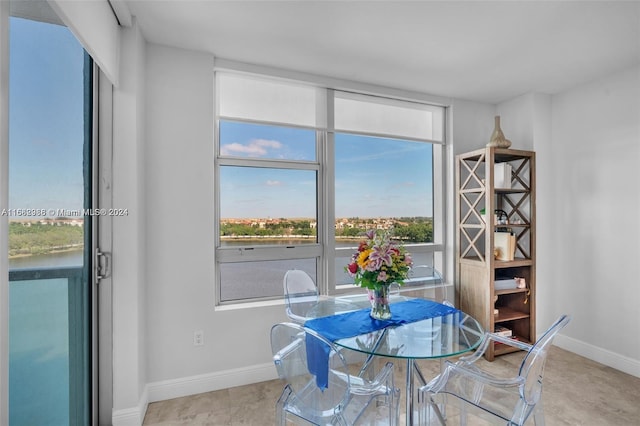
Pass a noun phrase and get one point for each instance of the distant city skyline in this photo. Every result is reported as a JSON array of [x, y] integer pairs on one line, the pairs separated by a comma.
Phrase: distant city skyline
[[362, 218]]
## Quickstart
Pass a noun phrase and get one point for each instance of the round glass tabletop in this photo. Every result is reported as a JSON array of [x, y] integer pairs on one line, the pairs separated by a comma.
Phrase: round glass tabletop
[[443, 336], [340, 305]]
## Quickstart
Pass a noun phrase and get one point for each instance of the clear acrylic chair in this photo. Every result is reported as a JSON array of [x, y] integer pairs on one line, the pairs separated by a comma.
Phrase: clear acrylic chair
[[300, 293], [507, 400], [432, 279], [346, 400]]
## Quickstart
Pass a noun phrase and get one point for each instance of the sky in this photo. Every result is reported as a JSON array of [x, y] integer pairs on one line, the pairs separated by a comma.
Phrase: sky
[[45, 117], [375, 177]]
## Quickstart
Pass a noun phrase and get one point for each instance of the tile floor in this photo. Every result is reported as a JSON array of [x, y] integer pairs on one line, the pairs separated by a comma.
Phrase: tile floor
[[578, 392]]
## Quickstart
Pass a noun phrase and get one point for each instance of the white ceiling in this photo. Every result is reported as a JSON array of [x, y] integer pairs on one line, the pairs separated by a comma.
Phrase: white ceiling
[[476, 50]]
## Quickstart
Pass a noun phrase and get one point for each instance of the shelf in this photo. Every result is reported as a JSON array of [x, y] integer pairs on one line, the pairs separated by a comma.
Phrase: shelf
[[511, 190], [500, 155], [477, 268], [511, 291], [501, 348], [472, 226], [508, 314], [472, 190], [474, 260], [498, 264], [509, 225]]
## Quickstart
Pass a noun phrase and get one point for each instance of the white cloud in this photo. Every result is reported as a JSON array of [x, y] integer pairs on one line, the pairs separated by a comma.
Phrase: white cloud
[[255, 148]]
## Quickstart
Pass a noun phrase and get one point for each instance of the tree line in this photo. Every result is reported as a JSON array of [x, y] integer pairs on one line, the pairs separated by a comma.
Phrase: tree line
[[38, 238], [414, 230]]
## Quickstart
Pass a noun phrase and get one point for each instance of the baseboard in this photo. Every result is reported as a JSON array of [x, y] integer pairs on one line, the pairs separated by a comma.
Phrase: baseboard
[[175, 388], [603, 356], [132, 416]]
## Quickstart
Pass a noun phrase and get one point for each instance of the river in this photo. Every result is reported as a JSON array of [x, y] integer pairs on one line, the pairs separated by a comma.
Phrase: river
[[51, 260], [74, 258]]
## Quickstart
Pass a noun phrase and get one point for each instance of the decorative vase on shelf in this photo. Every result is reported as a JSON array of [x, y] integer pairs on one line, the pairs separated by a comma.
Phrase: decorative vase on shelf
[[497, 137], [380, 303]]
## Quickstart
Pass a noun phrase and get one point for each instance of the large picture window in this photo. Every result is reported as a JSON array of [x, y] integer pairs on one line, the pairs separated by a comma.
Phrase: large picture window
[[302, 172], [382, 184]]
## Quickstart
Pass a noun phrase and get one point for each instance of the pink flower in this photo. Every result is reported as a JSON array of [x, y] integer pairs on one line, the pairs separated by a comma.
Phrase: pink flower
[[378, 261], [373, 265], [382, 255]]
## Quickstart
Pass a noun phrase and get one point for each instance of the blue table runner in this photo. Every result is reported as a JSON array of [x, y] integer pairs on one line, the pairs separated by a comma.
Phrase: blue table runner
[[350, 324]]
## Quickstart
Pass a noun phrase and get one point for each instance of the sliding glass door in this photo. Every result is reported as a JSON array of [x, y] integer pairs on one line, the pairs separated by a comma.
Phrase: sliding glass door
[[50, 262]]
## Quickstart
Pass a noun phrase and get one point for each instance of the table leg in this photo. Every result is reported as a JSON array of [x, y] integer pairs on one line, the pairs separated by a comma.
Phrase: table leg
[[412, 372], [370, 357], [409, 395]]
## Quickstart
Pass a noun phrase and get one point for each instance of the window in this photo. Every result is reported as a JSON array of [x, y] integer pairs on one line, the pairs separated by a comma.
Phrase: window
[[382, 184], [50, 103], [302, 171]]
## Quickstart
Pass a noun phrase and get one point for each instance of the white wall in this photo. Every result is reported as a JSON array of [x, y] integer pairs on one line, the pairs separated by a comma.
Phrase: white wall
[[129, 238], [594, 154], [180, 241], [516, 121], [587, 143], [472, 125]]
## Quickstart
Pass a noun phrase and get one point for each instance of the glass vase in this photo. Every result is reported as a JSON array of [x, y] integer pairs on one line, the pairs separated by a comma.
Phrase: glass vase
[[380, 303]]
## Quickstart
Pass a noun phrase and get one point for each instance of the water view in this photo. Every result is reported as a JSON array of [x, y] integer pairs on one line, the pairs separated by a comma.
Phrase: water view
[[51, 260], [39, 352], [39, 360]]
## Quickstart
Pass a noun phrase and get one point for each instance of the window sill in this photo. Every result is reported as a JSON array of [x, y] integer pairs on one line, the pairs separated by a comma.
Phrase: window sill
[[249, 305]]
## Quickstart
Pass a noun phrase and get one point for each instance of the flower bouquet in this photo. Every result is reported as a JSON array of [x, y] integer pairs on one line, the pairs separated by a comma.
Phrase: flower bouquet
[[376, 264]]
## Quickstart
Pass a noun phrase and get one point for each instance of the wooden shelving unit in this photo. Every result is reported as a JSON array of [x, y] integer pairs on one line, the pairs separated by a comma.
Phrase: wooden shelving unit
[[477, 268]]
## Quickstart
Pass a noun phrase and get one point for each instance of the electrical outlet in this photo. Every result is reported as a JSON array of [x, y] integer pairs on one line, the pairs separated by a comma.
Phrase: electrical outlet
[[198, 338]]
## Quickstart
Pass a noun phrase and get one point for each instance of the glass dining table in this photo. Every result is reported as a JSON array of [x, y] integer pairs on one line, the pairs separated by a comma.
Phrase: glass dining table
[[439, 337]]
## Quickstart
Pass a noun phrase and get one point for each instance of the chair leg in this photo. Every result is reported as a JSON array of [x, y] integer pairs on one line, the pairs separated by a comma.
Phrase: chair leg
[[463, 415], [428, 413], [434, 410], [365, 370], [394, 401], [538, 414], [339, 420], [280, 411]]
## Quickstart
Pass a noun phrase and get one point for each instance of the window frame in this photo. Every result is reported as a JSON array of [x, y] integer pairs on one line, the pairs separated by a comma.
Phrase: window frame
[[437, 247], [268, 252], [323, 249]]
